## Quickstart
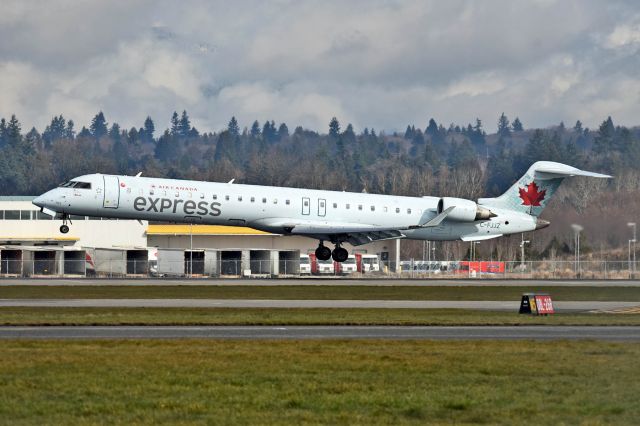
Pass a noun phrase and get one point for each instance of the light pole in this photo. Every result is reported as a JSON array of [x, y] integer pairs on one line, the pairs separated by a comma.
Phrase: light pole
[[522, 243], [629, 259], [576, 240], [632, 270]]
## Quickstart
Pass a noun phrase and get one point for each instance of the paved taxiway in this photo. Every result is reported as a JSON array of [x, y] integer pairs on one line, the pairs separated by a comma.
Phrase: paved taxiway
[[290, 304], [368, 281], [629, 334]]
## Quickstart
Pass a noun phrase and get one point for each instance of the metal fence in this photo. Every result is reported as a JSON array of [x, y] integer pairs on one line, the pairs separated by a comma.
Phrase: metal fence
[[591, 269]]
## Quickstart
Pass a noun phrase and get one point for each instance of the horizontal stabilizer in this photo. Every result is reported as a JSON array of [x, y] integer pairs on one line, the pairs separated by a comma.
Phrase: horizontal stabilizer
[[550, 170]]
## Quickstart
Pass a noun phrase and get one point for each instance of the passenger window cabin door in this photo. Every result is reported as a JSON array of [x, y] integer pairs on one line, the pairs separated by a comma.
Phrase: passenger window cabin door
[[111, 192], [306, 206], [322, 207]]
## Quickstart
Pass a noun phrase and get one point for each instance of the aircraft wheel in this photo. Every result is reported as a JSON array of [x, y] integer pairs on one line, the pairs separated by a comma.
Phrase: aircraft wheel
[[323, 253], [64, 229], [340, 254]]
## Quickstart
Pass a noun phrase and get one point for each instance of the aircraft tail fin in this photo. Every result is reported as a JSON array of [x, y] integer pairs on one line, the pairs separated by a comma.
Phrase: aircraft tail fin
[[531, 193]]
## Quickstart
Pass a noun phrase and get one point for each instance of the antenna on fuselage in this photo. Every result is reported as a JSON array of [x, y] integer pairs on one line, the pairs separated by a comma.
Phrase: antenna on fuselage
[[139, 174], [231, 181]]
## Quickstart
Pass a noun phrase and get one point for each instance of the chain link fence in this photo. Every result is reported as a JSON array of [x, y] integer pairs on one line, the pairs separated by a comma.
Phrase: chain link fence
[[199, 268]]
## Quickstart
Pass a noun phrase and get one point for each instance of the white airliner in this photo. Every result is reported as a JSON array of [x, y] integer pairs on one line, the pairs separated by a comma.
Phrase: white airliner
[[337, 217]]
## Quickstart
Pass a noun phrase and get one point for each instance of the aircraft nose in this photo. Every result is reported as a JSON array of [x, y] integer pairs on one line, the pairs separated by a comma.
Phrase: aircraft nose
[[39, 201]]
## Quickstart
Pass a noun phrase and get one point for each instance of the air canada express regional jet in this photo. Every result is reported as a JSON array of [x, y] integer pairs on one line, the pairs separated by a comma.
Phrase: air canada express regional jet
[[336, 217]]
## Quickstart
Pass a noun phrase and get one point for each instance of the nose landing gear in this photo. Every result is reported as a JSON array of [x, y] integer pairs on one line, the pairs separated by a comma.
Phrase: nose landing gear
[[64, 228]]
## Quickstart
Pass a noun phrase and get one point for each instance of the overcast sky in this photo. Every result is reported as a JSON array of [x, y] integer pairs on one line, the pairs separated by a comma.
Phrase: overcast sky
[[380, 64]]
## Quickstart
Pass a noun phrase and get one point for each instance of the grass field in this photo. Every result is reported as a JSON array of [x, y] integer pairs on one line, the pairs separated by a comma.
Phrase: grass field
[[330, 382], [259, 316], [328, 292]]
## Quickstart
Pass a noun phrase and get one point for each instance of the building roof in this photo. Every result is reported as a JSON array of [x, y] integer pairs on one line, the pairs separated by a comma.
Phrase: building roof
[[17, 197], [202, 230], [44, 239]]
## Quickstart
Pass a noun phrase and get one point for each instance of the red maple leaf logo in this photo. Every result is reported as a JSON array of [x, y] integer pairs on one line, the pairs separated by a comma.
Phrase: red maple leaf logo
[[531, 196]]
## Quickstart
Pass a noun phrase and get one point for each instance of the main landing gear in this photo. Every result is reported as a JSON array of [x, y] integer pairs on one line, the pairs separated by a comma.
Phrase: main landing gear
[[64, 228], [339, 254]]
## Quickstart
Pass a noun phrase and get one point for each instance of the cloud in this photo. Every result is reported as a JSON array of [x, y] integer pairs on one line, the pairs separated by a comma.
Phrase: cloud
[[380, 64]]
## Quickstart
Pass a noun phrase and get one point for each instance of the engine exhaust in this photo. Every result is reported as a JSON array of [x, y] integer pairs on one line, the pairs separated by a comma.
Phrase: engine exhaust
[[483, 213]]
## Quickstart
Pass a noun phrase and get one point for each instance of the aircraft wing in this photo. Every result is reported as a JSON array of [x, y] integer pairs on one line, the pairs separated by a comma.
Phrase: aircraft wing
[[354, 233]]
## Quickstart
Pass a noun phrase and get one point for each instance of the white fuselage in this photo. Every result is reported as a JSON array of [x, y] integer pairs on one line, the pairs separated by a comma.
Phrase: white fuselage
[[315, 213]]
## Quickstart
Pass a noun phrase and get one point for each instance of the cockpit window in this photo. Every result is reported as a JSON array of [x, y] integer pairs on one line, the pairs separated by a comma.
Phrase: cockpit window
[[76, 184]]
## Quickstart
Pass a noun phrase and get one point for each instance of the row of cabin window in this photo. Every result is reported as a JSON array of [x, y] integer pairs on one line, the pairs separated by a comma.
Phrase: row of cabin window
[[288, 202], [348, 206], [227, 198], [252, 199]]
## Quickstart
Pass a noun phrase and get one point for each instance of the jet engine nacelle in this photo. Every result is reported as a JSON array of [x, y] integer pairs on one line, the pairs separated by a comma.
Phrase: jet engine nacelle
[[465, 210]]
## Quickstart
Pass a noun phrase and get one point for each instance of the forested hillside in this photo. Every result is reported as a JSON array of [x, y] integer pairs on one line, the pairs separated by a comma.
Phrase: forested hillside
[[427, 159]]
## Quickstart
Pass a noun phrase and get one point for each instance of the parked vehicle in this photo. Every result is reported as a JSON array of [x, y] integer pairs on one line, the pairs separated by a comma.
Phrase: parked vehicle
[[322, 267], [367, 263], [349, 266], [305, 264]]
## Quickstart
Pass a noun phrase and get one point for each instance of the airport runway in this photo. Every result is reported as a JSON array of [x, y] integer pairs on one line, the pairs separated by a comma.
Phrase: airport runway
[[366, 281], [289, 304], [625, 334]]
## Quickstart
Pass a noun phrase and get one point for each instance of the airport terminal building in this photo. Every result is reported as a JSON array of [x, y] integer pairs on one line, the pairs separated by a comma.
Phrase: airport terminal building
[[32, 245]]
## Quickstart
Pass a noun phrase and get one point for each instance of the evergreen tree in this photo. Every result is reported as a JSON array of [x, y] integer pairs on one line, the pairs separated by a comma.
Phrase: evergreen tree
[[84, 133], [175, 124], [349, 135], [233, 128], [255, 130], [13, 136], [57, 129], [184, 126], [283, 131], [114, 132], [3, 132], [432, 129], [435, 132], [269, 131], [517, 125], [133, 135], [408, 134], [503, 126], [334, 128], [605, 139], [33, 138], [149, 129], [578, 127], [69, 132], [98, 126]]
